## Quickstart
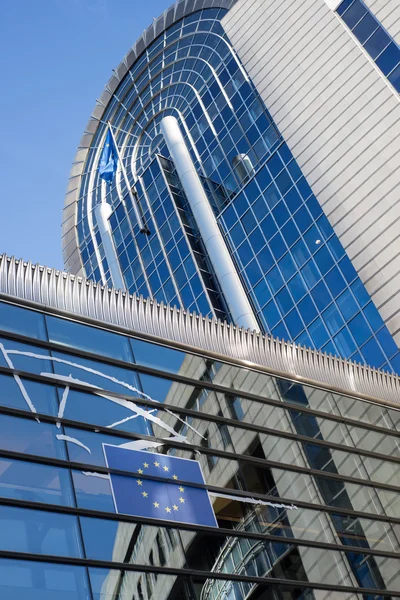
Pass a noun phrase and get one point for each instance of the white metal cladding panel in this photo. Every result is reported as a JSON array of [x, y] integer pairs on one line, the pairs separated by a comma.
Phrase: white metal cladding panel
[[340, 119], [70, 295], [388, 13]]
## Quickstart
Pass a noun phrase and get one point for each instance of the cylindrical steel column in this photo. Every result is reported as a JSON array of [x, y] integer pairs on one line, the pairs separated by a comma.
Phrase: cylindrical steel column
[[225, 270], [103, 212]]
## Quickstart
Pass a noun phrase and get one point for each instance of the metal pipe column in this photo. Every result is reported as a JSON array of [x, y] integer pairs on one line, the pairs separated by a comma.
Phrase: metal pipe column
[[103, 212], [225, 270]]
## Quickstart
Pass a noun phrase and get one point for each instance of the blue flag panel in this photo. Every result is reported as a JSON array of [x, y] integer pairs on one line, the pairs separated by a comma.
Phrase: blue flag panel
[[167, 499], [109, 159]]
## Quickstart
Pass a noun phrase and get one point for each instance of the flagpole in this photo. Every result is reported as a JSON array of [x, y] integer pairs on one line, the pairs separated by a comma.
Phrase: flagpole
[[142, 226]]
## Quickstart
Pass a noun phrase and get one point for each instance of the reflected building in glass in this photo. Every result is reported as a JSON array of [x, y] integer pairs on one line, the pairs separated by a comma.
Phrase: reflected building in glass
[[245, 222], [299, 453]]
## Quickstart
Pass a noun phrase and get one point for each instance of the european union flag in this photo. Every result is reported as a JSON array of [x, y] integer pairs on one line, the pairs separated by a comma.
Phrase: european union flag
[[109, 159], [169, 499]]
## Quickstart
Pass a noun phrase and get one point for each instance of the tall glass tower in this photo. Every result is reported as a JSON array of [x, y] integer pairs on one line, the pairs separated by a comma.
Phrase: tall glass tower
[[234, 229]]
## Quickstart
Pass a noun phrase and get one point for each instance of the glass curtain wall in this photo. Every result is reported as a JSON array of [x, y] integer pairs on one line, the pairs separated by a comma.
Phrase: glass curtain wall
[[304, 482]]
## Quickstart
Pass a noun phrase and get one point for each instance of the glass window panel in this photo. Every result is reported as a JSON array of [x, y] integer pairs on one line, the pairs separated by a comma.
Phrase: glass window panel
[[97, 374], [18, 359], [376, 43], [389, 59], [39, 532], [24, 580], [158, 357], [35, 482], [354, 13], [30, 437], [42, 396], [22, 320], [365, 27]]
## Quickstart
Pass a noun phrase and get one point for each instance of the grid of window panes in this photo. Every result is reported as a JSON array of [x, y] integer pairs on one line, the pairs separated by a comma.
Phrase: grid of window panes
[[300, 278], [374, 38], [190, 72], [56, 498], [169, 264]]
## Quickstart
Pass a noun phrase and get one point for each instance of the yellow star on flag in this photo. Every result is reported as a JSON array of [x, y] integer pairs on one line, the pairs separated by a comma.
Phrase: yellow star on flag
[[146, 465], [181, 489], [156, 504], [139, 482], [166, 468], [140, 471], [174, 506], [174, 476], [144, 494], [182, 500], [156, 464], [167, 508]]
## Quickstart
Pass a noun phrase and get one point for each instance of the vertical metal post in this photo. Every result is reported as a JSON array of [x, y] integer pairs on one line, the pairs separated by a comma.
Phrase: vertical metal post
[[224, 267]]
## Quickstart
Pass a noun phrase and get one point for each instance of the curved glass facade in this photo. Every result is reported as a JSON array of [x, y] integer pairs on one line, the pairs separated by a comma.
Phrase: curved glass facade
[[297, 275], [304, 482]]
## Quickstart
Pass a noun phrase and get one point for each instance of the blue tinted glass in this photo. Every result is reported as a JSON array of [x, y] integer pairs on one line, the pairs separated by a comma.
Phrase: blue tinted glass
[[158, 357], [290, 233], [376, 43], [372, 354], [344, 6], [344, 343], [318, 333], [22, 320], [287, 266], [360, 292], [88, 338], [275, 280], [248, 221], [394, 78], [373, 317], [272, 196], [335, 282], [35, 482], [25, 530], [387, 342], [253, 272], [37, 581], [284, 301], [347, 269], [321, 295], [262, 292], [389, 59], [277, 246], [365, 27], [310, 274], [265, 259], [245, 253], [324, 260], [280, 214], [307, 309], [332, 319], [303, 219], [354, 13], [271, 314], [238, 235], [300, 253], [293, 200], [347, 305], [293, 323], [30, 437], [280, 332], [359, 328], [283, 182], [268, 227], [257, 240], [297, 287]]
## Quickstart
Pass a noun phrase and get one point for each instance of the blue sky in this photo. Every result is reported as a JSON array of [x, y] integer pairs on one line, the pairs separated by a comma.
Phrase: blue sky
[[55, 58]]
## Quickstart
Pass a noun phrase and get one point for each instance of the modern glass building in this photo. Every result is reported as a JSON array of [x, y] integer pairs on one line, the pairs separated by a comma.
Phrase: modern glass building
[[299, 453], [235, 230]]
